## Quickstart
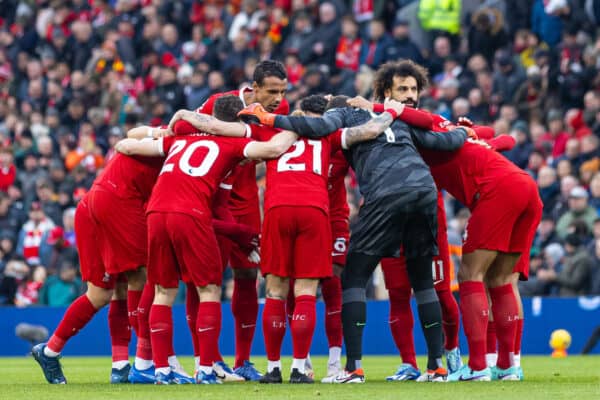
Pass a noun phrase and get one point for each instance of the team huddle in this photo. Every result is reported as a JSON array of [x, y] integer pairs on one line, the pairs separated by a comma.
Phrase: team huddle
[[180, 203]]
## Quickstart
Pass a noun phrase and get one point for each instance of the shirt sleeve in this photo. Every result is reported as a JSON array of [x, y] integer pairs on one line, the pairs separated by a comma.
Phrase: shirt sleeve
[[207, 106], [164, 144], [447, 141], [313, 127], [417, 118]]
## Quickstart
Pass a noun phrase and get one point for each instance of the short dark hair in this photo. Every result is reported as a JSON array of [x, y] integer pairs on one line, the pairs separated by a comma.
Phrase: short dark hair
[[226, 108], [267, 68], [384, 78], [340, 101], [315, 104]]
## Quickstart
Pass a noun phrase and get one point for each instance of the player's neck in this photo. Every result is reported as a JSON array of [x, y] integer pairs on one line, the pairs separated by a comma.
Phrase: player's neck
[[248, 96]]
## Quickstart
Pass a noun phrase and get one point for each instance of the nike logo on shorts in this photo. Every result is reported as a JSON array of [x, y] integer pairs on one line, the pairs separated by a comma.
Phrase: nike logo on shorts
[[244, 326], [156, 330], [205, 329]]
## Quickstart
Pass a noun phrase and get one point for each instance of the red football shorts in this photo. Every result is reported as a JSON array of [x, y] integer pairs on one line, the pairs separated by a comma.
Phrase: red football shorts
[[294, 243], [121, 225], [394, 269], [340, 235], [505, 217], [182, 247], [90, 260], [238, 258]]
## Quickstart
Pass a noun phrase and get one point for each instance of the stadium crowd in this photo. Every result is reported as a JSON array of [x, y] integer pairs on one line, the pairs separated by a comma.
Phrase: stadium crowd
[[75, 75]]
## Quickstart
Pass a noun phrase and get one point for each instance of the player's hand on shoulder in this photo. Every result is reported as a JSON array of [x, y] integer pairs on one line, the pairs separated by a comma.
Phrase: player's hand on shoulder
[[360, 102], [464, 121], [125, 146], [390, 104]]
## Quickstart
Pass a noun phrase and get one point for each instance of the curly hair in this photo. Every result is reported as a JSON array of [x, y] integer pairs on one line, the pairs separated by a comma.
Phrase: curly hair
[[315, 104], [384, 78]]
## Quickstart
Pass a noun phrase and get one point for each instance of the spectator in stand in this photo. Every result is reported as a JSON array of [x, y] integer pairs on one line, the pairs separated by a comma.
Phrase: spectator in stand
[[47, 198], [487, 33], [556, 138], [56, 250], [571, 154], [325, 37], [299, 41], [28, 291], [401, 46], [375, 45], [541, 281], [30, 236], [347, 55], [86, 153], [508, 77], [519, 154], [579, 209], [61, 289], [575, 277], [8, 171], [549, 187], [441, 50], [29, 175]]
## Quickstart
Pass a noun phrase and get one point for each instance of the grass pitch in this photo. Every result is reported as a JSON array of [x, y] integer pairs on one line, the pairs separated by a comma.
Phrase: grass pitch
[[575, 378]]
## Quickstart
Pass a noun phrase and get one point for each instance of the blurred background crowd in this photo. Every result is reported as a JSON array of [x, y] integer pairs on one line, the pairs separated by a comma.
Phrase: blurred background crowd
[[75, 75]]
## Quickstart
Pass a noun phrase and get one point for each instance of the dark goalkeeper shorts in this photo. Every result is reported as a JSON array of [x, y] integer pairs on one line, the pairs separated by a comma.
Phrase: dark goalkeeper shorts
[[408, 218]]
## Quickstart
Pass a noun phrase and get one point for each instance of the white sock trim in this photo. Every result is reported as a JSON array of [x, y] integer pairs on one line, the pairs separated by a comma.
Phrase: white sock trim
[[271, 365], [299, 364]]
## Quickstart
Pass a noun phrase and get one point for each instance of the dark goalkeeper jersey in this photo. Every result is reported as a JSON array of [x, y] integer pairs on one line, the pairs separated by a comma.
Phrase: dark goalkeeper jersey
[[387, 165]]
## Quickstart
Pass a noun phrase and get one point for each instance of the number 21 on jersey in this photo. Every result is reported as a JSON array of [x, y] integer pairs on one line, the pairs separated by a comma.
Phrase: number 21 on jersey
[[299, 147]]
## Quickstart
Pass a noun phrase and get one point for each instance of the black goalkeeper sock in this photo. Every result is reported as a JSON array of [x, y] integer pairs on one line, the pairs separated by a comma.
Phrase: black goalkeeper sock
[[430, 316], [354, 317]]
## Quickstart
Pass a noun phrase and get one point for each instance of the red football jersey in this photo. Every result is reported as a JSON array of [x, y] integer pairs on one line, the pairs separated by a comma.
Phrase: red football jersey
[[338, 200], [299, 176], [469, 171], [244, 191], [466, 172], [195, 166], [130, 177]]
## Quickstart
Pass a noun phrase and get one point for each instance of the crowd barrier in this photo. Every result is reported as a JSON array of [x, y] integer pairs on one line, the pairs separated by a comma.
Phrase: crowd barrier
[[542, 315]]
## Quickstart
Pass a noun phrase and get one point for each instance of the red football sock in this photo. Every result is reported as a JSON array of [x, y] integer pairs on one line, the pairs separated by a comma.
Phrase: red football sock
[[506, 315], [161, 334], [144, 346], [120, 331], [192, 302], [331, 288], [303, 324], [519, 336], [133, 299], [491, 340], [244, 307], [450, 319], [208, 331], [402, 324], [76, 317], [475, 309], [273, 324]]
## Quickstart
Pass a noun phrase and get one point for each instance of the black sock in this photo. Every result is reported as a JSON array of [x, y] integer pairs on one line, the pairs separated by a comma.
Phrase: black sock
[[354, 317], [355, 276], [428, 306], [430, 316]]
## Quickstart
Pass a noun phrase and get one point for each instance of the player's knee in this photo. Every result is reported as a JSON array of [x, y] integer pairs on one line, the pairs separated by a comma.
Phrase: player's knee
[[98, 296], [305, 287], [277, 287], [210, 293]]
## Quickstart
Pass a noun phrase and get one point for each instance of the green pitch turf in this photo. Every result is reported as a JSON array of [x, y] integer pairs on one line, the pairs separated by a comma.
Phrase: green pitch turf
[[575, 377]]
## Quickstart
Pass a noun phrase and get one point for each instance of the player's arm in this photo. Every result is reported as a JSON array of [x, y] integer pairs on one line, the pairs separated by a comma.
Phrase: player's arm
[[310, 127], [209, 124], [447, 141], [417, 118], [501, 142], [273, 148], [367, 131], [144, 147], [142, 132]]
